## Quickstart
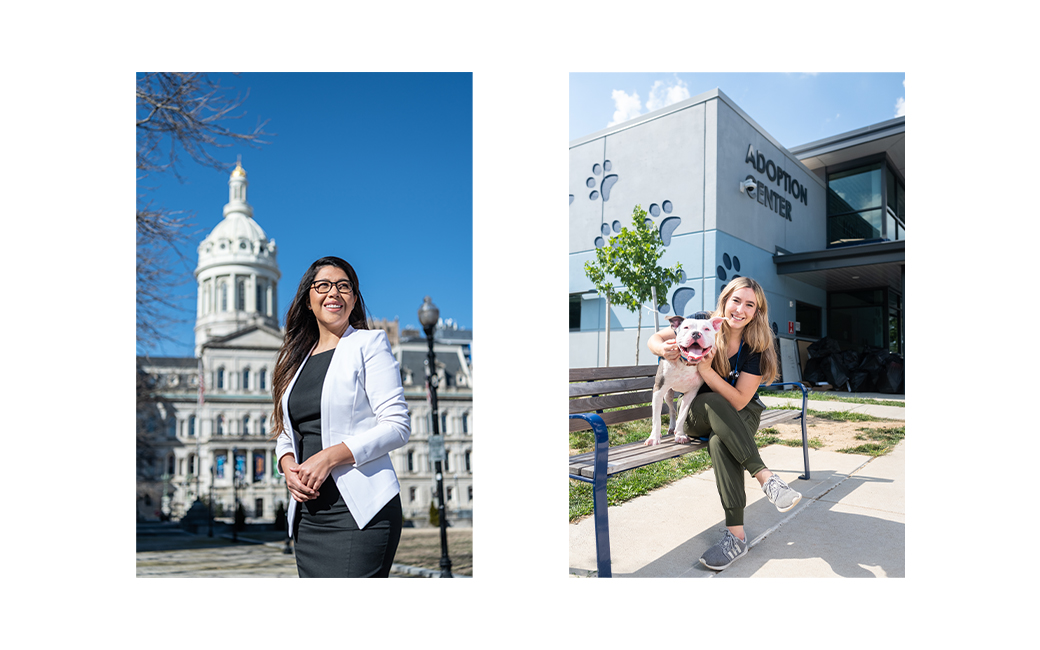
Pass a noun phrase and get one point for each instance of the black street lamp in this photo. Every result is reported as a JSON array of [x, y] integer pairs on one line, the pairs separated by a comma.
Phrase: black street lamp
[[428, 316]]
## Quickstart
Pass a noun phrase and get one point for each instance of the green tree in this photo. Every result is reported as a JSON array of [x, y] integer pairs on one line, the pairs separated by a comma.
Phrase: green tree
[[630, 259]]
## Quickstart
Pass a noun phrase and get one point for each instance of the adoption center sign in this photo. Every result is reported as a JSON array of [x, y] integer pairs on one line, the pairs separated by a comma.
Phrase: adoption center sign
[[776, 174]]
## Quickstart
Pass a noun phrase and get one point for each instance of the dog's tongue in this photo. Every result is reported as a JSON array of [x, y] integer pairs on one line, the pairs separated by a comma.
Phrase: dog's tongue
[[694, 353]]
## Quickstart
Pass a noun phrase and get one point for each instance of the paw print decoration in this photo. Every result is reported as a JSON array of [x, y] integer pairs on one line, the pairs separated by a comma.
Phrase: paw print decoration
[[604, 185]]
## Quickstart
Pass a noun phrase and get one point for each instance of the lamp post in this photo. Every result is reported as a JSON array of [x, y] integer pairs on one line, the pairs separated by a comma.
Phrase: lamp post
[[428, 316]]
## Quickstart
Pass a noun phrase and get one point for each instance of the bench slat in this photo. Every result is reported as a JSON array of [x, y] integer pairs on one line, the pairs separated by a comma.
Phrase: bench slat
[[612, 386], [613, 372], [625, 457], [614, 417], [590, 404], [630, 456]]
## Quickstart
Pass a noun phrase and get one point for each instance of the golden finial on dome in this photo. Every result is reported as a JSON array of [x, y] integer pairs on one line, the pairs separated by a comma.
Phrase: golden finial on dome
[[238, 171]]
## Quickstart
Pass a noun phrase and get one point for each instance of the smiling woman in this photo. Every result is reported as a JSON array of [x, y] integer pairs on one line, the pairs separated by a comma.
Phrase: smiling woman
[[339, 410]]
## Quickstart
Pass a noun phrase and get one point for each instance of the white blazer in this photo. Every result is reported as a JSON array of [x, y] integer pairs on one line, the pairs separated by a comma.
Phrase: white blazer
[[362, 405]]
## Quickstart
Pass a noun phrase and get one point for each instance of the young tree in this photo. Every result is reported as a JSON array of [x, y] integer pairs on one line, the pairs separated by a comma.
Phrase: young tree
[[630, 258]]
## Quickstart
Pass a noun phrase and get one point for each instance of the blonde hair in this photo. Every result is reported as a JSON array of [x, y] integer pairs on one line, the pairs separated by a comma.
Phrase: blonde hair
[[757, 334]]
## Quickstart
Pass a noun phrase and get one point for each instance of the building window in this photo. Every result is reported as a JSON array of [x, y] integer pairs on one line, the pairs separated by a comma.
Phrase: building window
[[411, 495], [263, 424], [191, 425], [468, 467], [240, 296], [245, 379], [411, 461], [263, 379], [223, 296], [261, 297], [259, 466], [469, 490], [171, 465], [191, 465], [220, 378], [221, 462], [245, 425], [465, 422], [575, 307], [220, 425], [448, 493], [810, 320], [444, 423], [865, 204], [258, 507]]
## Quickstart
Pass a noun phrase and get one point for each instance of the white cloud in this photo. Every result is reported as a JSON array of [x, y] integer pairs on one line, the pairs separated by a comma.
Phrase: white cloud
[[661, 94], [901, 102], [626, 106]]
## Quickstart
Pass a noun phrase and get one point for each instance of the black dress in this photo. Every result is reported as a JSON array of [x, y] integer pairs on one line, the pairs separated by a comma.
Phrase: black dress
[[329, 543]]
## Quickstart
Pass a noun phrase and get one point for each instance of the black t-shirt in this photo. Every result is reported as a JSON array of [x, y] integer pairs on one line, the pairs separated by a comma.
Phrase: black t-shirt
[[749, 362]]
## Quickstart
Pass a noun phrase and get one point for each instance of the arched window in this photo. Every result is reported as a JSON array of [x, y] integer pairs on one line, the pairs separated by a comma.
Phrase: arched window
[[245, 379], [263, 379], [191, 425], [220, 377]]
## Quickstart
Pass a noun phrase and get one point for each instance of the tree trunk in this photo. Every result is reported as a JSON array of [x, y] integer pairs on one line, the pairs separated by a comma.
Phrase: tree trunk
[[639, 332]]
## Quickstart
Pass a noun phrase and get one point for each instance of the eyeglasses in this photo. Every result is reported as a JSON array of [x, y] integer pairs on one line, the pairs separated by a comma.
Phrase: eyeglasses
[[324, 286]]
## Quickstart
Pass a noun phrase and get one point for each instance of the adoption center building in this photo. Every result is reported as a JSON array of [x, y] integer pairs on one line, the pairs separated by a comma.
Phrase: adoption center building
[[820, 226]]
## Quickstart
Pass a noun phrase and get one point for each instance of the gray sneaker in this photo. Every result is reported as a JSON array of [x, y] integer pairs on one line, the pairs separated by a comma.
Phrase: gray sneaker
[[779, 494], [728, 549]]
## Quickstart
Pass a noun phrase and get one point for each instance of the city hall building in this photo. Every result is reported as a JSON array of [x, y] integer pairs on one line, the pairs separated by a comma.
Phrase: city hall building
[[820, 226], [213, 441]]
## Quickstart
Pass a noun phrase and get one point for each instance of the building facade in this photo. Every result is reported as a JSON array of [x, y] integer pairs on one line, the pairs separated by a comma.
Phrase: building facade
[[212, 441], [821, 227]]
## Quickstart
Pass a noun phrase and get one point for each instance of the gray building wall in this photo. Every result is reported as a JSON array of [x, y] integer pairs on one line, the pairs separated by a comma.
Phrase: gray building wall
[[684, 164]]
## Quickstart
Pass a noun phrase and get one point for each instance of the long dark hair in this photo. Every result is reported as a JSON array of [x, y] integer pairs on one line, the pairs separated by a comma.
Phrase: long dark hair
[[301, 332]]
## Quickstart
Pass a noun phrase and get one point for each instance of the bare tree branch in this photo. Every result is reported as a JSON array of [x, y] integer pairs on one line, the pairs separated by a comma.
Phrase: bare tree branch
[[177, 112]]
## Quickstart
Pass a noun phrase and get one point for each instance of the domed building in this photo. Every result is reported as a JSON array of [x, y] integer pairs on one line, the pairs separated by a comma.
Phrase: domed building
[[196, 443], [215, 441]]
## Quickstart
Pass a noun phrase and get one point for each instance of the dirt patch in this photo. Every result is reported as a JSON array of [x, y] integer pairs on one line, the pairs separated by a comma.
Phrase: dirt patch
[[833, 435], [421, 547]]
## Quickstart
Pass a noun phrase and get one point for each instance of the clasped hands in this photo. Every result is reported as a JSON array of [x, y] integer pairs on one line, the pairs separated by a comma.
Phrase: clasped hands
[[303, 480]]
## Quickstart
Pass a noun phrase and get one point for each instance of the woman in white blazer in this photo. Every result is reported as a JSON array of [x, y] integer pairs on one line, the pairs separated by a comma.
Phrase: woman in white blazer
[[339, 409]]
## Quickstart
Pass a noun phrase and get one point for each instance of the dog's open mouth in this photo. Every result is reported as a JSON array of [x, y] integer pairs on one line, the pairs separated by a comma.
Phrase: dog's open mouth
[[693, 353]]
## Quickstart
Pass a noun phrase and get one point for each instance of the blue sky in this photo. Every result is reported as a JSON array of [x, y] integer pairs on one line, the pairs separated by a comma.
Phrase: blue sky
[[374, 168], [795, 108]]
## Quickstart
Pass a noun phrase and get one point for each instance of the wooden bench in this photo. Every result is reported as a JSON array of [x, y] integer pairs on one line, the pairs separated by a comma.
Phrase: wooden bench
[[627, 392]]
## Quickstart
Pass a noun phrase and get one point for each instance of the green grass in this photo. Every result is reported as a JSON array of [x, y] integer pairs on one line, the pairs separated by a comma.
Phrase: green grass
[[835, 416], [828, 396], [882, 441]]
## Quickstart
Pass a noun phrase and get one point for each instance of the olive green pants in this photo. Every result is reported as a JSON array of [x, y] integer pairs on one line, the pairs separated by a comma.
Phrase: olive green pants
[[731, 444]]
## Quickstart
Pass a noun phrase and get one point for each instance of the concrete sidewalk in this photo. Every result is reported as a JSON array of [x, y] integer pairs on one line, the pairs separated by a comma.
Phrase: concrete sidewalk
[[877, 410], [850, 523]]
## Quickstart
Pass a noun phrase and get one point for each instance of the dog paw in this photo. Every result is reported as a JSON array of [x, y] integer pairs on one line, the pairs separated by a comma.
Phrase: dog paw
[[680, 439], [651, 441]]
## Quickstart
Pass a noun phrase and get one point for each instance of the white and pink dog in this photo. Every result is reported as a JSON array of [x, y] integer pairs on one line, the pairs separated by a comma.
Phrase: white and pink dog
[[695, 338]]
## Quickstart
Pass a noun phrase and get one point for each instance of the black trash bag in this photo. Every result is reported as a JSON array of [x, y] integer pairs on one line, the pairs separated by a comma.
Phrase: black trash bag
[[890, 377], [835, 371], [814, 371], [824, 347], [861, 381], [851, 359], [872, 358]]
